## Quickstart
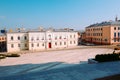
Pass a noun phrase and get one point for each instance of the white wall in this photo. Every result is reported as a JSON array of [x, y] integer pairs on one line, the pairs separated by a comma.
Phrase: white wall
[[15, 42], [37, 39], [41, 40]]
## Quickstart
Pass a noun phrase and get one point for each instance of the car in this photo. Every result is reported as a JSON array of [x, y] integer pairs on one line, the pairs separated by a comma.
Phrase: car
[[90, 44]]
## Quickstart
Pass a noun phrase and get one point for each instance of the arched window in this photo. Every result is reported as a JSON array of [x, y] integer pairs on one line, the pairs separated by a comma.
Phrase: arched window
[[18, 37], [11, 37], [25, 37]]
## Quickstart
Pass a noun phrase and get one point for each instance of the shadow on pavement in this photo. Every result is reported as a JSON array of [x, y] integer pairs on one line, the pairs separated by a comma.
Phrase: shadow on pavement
[[58, 71]]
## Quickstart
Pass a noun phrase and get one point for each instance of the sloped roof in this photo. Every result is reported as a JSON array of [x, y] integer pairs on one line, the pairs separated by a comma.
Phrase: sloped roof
[[116, 23]]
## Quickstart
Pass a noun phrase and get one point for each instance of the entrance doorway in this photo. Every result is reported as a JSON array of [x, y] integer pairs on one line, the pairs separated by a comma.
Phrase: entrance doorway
[[49, 45]]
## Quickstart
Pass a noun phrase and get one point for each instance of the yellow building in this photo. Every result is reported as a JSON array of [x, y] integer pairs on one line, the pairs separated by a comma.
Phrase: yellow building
[[104, 33]]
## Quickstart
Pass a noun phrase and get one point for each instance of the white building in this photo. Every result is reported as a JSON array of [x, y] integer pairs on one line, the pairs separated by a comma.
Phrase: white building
[[41, 40], [17, 41]]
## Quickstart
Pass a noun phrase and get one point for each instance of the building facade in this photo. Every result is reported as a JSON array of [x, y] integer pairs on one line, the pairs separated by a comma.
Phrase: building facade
[[40, 40], [104, 33], [3, 47], [83, 37], [17, 41]]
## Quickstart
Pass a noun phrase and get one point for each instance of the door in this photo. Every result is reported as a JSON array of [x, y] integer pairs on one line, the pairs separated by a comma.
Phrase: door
[[49, 45]]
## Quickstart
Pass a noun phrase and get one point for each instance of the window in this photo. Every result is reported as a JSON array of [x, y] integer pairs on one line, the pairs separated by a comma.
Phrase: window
[[32, 45], [12, 45], [118, 34], [70, 42], [11, 37], [74, 42], [18, 37], [43, 44], [64, 43], [60, 37], [60, 43], [18, 45], [106, 40], [70, 36], [114, 34], [118, 28], [37, 44], [25, 37], [114, 28], [56, 43]]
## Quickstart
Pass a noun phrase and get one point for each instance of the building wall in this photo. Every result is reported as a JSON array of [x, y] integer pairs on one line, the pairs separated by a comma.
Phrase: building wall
[[115, 39], [94, 34], [16, 44], [37, 41], [106, 38], [83, 37], [59, 40], [2, 43], [103, 34]]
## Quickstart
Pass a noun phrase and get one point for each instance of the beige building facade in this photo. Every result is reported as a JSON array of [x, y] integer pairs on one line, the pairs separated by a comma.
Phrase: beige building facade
[[104, 33]]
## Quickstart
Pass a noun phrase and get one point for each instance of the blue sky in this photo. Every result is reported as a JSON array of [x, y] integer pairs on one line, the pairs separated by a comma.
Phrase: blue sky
[[75, 14]]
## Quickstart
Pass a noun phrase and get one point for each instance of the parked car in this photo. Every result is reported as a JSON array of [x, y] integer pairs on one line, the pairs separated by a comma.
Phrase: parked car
[[90, 44]]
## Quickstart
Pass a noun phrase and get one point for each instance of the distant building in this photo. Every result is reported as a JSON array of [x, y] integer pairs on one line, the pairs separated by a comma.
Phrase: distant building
[[2, 42], [83, 36], [37, 40], [104, 32]]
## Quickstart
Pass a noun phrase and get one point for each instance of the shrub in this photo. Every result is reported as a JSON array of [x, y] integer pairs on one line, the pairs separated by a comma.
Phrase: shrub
[[12, 55], [2, 56], [107, 57]]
